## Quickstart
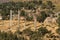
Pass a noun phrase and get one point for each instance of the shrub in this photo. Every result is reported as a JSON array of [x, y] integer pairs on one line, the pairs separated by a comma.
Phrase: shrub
[[58, 21], [10, 36], [43, 31], [58, 30], [23, 13], [29, 18], [42, 16]]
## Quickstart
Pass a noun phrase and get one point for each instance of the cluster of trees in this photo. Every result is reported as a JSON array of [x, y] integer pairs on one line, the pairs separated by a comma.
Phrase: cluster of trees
[[32, 35], [30, 5], [9, 8], [10, 36], [18, 35]]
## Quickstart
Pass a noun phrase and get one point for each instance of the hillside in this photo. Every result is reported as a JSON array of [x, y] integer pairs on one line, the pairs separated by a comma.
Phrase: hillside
[[4, 27], [35, 20]]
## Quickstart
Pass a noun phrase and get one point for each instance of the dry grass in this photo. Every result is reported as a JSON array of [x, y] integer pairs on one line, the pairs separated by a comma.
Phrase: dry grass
[[29, 24]]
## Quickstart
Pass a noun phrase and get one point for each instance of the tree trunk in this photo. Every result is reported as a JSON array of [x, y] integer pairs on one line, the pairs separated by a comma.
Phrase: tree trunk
[[10, 18], [25, 22], [34, 18], [18, 19]]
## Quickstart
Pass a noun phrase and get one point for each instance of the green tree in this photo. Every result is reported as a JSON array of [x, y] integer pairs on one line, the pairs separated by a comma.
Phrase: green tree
[[58, 31], [43, 30], [29, 17], [23, 13], [42, 16], [18, 7], [40, 2], [50, 5], [35, 36], [28, 32], [31, 6], [58, 21]]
